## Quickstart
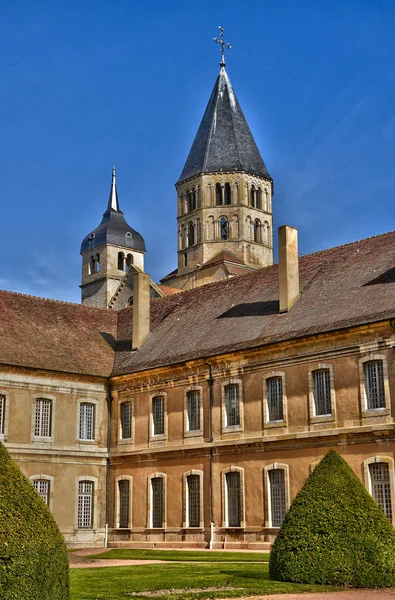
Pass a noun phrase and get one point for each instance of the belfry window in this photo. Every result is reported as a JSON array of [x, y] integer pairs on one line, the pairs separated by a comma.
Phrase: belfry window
[[224, 228], [257, 231], [228, 194], [97, 261], [258, 203], [218, 194], [191, 234], [252, 196], [121, 261], [129, 262]]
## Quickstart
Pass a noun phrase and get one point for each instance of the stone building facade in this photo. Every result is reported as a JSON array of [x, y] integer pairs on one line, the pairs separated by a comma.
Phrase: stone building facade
[[147, 416]]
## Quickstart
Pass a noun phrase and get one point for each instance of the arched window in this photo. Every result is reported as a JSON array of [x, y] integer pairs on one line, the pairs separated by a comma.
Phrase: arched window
[[199, 197], [97, 263], [235, 228], [228, 194], [257, 231], [266, 234], [183, 236], [248, 228], [258, 203], [121, 261], [191, 234], [189, 201], [252, 196], [129, 261], [210, 228], [218, 194], [92, 265], [224, 229]]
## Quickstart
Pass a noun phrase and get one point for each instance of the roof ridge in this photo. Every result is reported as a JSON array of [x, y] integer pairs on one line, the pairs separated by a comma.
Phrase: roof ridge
[[371, 237], [53, 300]]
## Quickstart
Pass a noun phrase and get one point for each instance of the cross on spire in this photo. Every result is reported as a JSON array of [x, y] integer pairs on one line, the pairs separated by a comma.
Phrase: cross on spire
[[222, 43]]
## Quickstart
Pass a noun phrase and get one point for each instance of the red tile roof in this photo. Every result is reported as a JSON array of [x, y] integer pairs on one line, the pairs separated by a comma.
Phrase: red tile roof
[[341, 287]]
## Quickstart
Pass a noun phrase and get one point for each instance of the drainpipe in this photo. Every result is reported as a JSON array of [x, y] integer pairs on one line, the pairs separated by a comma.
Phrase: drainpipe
[[210, 382], [109, 404]]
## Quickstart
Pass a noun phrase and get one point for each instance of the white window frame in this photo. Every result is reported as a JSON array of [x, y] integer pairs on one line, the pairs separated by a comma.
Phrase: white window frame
[[231, 428], [314, 418], [129, 440], [95, 420], [185, 494], [150, 502], [267, 490], [368, 481], [265, 407], [374, 412], [5, 415], [38, 438], [92, 416], [160, 436], [117, 501], [95, 504], [51, 484], [225, 513], [193, 432]]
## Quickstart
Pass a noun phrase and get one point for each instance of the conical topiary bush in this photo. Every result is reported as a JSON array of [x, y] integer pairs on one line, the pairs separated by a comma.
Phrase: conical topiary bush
[[334, 533], [33, 556]]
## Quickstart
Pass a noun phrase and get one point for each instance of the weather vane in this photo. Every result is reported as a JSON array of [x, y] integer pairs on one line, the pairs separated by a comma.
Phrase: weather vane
[[222, 44]]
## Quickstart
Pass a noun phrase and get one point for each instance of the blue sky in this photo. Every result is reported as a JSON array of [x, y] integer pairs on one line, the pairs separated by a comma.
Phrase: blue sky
[[89, 83]]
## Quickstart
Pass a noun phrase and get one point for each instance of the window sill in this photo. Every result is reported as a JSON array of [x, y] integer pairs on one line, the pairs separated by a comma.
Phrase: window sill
[[232, 428], [82, 441], [322, 419], [272, 424], [194, 433], [376, 412], [125, 442], [158, 438], [42, 440]]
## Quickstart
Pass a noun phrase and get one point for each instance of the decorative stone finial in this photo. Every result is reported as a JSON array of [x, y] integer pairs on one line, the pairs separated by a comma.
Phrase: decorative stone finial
[[222, 43]]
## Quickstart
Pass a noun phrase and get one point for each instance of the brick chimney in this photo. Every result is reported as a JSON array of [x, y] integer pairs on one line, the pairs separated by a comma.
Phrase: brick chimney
[[288, 267], [141, 309]]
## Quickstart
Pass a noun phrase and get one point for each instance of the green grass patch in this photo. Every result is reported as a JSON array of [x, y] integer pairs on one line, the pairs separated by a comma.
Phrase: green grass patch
[[118, 583], [182, 555]]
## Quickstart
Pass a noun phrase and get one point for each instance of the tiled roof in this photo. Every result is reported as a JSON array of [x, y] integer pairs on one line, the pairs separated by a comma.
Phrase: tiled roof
[[341, 287], [223, 141], [57, 336], [167, 290]]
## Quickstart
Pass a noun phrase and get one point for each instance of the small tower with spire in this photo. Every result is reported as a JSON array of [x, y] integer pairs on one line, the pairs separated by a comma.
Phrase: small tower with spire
[[108, 252], [224, 195]]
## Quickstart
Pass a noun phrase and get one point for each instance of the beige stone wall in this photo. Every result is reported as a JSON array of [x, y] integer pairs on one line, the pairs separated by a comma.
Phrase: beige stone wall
[[61, 457], [295, 445]]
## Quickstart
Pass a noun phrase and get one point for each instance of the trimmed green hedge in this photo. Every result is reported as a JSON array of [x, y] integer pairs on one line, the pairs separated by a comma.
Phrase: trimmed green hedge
[[334, 533], [33, 556]]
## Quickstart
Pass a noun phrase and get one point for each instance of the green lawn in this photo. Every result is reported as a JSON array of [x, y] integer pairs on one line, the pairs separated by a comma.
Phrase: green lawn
[[118, 583], [182, 555]]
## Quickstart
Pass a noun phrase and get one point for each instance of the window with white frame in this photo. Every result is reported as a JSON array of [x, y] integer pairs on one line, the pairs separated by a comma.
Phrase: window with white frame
[[2, 413], [193, 495], [87, 421], [158, 415], [157, 502], [43, 417], [381, 487], [42, 488], [193, 410], [233, 498], [85, 505], [322, 392], [374, 384], [275, 411], [126, 420], [124, 502], [232, 405], [277, 496]]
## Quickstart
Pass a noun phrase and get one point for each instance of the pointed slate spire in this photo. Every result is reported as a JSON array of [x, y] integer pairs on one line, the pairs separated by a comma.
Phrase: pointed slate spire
[[224, 141], [113, 199]]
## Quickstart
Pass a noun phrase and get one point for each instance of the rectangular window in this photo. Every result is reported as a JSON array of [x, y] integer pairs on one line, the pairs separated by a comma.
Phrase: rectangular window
[[157, 501], [42, 422], [158, 415], [2, 413], [193, 483], [322, 392], [42, 488], [234, 498], [193, 410], [232, 405], [87, 420], [85, 504], [381, 490], [374, 384], [126, 421], [277, 496], [275, 398], [124, 502]]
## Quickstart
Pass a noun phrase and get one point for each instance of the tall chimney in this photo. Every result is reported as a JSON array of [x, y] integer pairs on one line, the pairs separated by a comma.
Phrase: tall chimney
[[141, 309], [289, 267]]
